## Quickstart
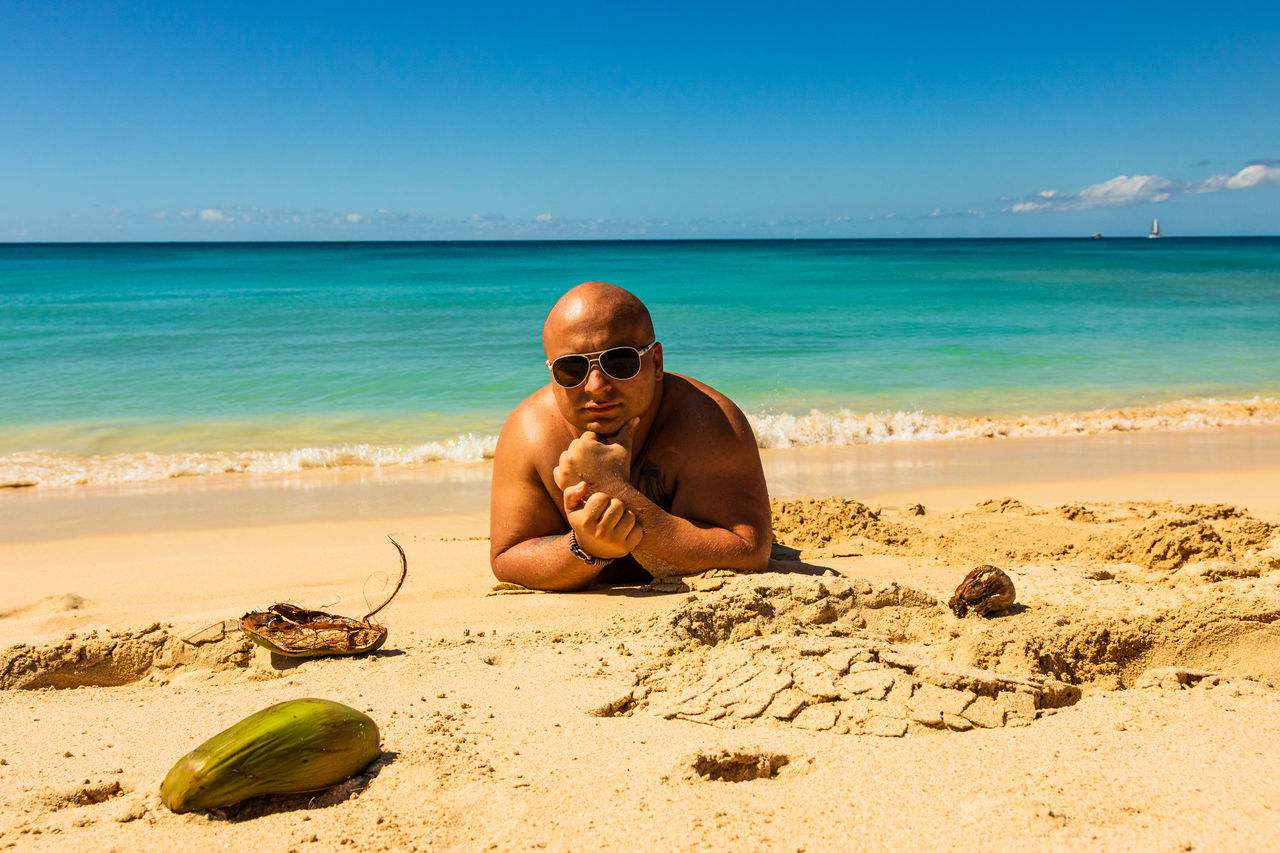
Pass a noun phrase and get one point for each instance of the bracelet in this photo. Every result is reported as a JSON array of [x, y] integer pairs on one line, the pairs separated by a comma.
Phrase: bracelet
[[576, 550]]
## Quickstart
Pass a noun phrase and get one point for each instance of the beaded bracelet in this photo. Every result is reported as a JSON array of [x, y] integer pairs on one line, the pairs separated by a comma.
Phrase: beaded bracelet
[[576, 550]]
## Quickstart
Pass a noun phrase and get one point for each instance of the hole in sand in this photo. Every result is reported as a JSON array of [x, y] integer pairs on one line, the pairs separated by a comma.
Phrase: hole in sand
[[727, 766]]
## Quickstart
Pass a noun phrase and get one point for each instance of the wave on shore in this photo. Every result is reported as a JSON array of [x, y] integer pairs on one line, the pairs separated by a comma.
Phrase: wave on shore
[[41, 468], [825, 429], [816, 429]]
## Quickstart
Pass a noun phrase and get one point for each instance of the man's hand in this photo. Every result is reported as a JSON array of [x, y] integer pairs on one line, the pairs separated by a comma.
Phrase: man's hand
[[605, 466], [604, 526]]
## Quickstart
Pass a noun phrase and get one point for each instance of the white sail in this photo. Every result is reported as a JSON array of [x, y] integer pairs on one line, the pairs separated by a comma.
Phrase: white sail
[[1155, 229]]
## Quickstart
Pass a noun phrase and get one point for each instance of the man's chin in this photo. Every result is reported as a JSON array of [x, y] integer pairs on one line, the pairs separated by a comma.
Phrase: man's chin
[[605, 426]]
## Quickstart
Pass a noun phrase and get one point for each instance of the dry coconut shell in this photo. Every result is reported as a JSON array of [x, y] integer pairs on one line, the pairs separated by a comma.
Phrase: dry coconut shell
[[296, 632], [984, 590]]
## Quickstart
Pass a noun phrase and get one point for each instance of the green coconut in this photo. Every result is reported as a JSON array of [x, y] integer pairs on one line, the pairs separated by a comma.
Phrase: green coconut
[[291, 747]]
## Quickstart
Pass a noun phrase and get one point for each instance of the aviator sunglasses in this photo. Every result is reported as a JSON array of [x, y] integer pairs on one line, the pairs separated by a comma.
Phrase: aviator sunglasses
[[570, 371]]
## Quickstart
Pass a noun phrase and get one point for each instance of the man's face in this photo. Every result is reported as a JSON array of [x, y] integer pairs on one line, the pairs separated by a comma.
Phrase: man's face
[[603, 404]]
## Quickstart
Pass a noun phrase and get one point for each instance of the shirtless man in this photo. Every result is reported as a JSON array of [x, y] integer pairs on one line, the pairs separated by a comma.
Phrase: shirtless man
[[616, 466]]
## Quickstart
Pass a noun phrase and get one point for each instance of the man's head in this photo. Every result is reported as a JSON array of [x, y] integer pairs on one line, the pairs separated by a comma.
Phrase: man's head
[[590, 318]]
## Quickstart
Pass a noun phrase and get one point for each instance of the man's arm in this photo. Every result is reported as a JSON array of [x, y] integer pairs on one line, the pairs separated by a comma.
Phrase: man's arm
[[529, 542], [719, 514]]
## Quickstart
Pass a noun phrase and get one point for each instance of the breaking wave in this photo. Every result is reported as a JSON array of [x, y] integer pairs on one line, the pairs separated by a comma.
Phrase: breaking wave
[[827, 429], [773, 430], [40, 468]]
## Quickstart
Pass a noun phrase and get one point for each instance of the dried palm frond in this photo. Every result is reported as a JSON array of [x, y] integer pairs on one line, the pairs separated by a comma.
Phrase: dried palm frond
[[300, 633]]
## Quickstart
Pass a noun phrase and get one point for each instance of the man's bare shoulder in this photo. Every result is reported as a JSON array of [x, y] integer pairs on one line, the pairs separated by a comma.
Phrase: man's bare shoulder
[[695, 408], [534, 425], [534, 419]]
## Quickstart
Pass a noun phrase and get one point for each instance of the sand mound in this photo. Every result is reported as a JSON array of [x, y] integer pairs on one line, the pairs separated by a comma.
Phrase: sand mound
[[1168, 543], [51, 604], [1234, 635], [827, 654], [1161, 537], [779, 603], [112, 659], [811, 523], [853, 656]]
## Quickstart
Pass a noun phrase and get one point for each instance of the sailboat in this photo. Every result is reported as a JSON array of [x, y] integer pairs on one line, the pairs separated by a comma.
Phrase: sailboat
[[1155, 230]]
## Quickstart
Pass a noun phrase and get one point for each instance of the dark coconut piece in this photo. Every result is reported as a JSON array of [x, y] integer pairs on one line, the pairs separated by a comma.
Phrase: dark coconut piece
[[984, 590], [299, 633]]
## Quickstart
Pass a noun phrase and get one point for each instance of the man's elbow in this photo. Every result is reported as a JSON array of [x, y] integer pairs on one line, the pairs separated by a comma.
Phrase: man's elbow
[[757, 546], [760, 555], [509, 570]]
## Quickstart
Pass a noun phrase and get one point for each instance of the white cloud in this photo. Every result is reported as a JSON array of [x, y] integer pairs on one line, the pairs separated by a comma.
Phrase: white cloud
[[1256, 175], [1123, 191], [353, 218], [543, 217], [939, 213], [211, 214]]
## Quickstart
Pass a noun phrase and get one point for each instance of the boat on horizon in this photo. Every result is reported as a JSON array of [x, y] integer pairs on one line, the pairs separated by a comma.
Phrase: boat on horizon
[[1155, 229]]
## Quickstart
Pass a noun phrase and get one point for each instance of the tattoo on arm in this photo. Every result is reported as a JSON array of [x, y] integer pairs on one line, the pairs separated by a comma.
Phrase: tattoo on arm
[[654, 486], [544, 541]]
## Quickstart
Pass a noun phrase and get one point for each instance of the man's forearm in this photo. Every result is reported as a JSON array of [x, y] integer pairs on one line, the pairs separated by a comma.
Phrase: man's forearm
[[677, 546], [544, 563]]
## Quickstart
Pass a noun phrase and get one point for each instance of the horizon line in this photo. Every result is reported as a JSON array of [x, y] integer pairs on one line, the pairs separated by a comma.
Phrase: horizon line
[[1140, 237]]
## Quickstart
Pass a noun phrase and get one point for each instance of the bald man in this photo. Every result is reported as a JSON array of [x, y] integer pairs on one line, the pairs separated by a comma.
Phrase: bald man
[[616, 471]]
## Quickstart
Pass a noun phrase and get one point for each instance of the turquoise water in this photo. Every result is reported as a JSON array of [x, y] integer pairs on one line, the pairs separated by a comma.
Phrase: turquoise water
[[215, 348]]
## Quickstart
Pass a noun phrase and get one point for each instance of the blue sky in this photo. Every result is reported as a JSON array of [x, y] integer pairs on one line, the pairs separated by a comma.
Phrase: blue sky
[[317, 120]]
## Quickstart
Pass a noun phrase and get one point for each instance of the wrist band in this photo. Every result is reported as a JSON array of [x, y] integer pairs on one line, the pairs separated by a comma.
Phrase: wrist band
[[576, 550]]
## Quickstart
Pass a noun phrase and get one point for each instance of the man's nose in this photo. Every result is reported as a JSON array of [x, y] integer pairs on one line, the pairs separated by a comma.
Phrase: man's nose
[[596, 378]]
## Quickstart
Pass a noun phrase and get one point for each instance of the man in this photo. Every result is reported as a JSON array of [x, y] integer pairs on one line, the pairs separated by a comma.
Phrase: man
[[616, 466]]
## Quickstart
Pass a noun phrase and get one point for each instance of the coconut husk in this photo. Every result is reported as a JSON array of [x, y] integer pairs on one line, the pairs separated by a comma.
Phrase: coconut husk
[[983, 591], [296, 632]]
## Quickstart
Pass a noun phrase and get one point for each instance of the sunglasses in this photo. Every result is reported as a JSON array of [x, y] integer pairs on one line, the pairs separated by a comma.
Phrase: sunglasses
[[570, 371]]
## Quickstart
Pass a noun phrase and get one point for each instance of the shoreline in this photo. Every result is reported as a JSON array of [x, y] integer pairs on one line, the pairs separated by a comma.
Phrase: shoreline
[[66, 468], [891, 473]]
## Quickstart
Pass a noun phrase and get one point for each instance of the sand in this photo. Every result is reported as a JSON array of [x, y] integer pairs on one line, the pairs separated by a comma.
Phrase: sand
[[1128, 700]]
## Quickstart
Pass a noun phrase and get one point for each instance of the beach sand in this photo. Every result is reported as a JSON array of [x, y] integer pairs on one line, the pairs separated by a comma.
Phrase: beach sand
[[1126, 701]]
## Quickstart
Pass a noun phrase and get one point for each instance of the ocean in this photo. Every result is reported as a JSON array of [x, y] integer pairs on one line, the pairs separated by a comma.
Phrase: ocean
[[134, 362]]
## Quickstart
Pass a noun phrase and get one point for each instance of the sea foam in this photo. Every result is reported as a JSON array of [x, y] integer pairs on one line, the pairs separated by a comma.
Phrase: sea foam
[[828, 429], [41, 468], [773, 430]]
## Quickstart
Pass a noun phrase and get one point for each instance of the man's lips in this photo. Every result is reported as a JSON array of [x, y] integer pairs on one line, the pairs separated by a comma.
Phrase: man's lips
[[600, 408]]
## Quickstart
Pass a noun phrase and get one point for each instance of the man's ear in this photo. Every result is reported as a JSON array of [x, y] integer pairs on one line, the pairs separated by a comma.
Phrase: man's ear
[[657, 361]]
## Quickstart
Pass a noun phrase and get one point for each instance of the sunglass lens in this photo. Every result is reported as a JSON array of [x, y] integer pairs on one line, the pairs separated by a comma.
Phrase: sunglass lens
[[620, 362], [570, 370]]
